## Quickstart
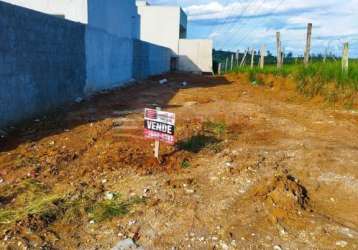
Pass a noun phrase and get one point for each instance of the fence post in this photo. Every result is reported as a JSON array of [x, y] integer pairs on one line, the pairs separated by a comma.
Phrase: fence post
[[279, 52], [282, 56], [232, 62], [345, 57], [237, 57], [219, 69], [243, 59], [308, 44], [262, 56], [252, 58]]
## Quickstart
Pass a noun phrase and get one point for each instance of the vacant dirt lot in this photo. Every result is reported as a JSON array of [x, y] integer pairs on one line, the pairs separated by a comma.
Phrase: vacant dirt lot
[[254, 167]]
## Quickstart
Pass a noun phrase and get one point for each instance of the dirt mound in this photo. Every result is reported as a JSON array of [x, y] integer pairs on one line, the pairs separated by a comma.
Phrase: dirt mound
[[283, 197]]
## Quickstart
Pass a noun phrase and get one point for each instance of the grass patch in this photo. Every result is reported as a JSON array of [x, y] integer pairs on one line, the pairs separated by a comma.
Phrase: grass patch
[[216, 128], [32, 199], [318, 78], [107, 209], [197, 142]]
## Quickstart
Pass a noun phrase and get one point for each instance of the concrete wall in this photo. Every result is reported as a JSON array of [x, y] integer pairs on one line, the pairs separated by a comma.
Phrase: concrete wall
[[160, 25], [117, 17], [109, 60], [150, 59], [195, 55], [74, 10], [42, 62]]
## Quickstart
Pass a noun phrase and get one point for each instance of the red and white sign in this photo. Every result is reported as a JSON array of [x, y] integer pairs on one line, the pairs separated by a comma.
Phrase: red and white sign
[[159, 125]]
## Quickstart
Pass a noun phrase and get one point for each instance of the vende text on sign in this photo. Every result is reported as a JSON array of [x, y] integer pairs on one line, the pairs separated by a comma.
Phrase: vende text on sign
[[159, 125]]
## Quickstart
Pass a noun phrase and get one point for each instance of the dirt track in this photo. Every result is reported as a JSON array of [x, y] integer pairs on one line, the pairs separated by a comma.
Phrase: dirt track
[[269, 169]]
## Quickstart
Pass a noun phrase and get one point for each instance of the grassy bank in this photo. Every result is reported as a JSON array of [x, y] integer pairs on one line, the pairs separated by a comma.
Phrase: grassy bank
[[325, 79]]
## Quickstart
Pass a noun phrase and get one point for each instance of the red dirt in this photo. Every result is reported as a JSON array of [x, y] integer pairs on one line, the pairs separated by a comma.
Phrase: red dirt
[[283, 174]]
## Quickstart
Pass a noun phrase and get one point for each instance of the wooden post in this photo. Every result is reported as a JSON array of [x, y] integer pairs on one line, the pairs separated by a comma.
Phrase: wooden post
[[278, 48], [219, 69], [237, 57], [226, 64], [308, 44], [232, 62], [157, 143], [243, 59], [282, 56], [345, 58], [325, 55], [252, 58], [262, 56]]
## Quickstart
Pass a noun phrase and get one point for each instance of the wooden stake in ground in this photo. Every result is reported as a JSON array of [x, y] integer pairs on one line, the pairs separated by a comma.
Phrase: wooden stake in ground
[[243, 59], [237, 57], [325, 55], [345, 58], [262, 56], [279, 52], [252, 58], [232, 62], [308, 44], [282, 56], [157, 143], [219, 69], [226, 64]]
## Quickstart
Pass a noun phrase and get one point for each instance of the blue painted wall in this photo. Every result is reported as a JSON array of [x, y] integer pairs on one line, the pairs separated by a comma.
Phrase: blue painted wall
[[109, 60], [42, 62], [46, 62], [150, 59]]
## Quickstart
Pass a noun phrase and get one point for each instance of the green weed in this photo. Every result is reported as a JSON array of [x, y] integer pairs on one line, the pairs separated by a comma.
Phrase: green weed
[[197, 142], [185, 164], [315, 79], [115, 207]]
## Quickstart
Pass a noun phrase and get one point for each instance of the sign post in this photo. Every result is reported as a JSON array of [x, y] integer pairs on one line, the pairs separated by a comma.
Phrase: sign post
[[160, 126], [157, 143]]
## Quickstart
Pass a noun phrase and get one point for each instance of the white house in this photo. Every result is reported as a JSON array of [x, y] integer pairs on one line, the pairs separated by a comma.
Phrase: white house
[[163, 25], [167, 26]]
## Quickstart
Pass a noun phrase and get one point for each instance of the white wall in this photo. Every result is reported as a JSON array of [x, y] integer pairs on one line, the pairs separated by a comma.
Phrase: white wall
[[195, 55], [74, 10], [160, 25]]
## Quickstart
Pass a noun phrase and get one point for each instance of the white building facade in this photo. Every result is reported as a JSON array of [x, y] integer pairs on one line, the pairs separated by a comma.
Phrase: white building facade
[[167, 26]]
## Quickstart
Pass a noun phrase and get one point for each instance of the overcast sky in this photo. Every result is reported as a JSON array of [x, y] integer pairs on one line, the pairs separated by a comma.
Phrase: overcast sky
[[249, 23]]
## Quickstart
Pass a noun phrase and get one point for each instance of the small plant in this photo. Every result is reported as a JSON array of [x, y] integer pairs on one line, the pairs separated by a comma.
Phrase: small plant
[[107, 209], [216, 128], [197, 143], [185, 164]]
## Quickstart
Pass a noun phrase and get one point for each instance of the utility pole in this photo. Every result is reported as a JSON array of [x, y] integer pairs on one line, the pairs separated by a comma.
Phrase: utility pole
[[252, 58], [308, 44], [262, 56], [278, 48], [345, 57]]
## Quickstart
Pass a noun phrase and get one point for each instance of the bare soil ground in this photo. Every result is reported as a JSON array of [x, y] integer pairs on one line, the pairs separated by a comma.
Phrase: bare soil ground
[[255, 167]]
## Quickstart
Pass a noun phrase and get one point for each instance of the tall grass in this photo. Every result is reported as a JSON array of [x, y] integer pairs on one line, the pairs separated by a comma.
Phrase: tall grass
[[317, 78]]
